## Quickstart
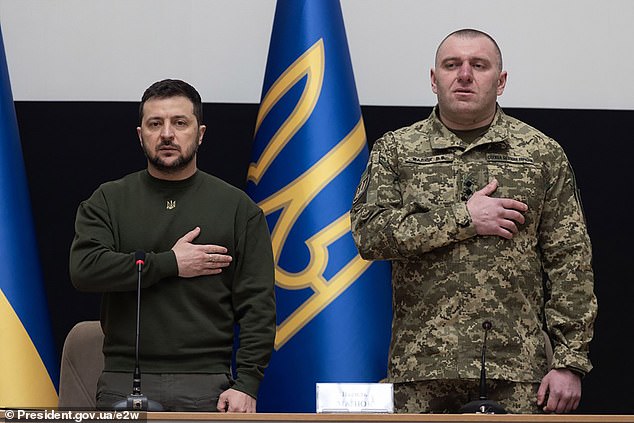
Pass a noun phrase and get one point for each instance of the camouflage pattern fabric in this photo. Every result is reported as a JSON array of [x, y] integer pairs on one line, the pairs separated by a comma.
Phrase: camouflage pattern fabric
[[410, 207], [447, 396]]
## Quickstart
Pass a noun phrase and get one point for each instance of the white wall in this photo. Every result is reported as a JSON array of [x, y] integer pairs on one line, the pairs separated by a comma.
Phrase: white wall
[[559, 53]]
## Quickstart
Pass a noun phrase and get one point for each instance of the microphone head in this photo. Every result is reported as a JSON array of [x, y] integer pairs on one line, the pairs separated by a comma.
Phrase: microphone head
[[139, 256], [486, 325]]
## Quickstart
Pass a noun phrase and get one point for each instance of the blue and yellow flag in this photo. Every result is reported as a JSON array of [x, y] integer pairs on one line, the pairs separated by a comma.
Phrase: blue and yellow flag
[[28, 362], [334, 308]]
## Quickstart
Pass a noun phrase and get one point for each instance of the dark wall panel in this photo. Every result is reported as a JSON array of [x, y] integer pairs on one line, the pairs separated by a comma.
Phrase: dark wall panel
[[70, 148]]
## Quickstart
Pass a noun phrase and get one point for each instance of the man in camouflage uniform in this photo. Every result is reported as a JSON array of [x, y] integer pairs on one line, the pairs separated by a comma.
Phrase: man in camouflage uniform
[[480, 216]]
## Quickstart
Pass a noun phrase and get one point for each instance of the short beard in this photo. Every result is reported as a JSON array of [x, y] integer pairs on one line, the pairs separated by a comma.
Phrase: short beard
[[179, 164], [176, 166]]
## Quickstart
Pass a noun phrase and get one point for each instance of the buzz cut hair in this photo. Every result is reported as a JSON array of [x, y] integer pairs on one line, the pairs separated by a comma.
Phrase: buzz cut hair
[[473, 33]]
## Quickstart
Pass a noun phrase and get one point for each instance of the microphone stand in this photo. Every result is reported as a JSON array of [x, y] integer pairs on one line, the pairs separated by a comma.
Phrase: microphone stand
[[136, 401], [483, 405]]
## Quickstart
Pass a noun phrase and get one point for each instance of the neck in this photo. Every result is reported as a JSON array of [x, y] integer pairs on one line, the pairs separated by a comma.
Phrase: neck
[[466, 123], [175, 175]]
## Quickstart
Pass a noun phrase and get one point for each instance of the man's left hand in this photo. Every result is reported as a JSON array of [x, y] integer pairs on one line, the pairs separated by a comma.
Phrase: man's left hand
[[232, 401], [563, 389]]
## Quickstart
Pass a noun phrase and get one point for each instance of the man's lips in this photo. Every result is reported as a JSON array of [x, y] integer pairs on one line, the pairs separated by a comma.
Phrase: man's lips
[[460, 91]]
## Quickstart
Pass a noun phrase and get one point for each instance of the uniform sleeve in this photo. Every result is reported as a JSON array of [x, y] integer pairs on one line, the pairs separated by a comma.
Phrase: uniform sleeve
[[386, 228], [96, 265], [571, 305], [254, 304]]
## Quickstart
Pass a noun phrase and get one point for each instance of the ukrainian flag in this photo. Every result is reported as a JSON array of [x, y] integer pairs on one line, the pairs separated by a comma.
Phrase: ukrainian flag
[[334, 308], [28, 363]]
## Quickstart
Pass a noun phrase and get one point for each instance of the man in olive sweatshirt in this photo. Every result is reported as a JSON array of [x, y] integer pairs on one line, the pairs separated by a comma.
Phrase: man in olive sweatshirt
[[208, 268]]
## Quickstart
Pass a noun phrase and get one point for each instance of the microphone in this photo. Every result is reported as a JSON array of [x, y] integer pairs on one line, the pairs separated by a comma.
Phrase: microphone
[[136, 400], [483, 405]]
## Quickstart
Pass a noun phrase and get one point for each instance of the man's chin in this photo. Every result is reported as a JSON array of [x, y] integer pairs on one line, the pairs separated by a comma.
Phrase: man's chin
[[172, 163], [169, 166], [465, 104], [467, 109]]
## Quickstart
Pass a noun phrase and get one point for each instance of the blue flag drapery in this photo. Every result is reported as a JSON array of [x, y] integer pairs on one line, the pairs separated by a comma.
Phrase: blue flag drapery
[[28, 362], [334, 309]]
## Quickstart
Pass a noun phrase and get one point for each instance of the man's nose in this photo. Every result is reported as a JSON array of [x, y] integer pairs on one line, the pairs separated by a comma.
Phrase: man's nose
[[465, 73], [167, 131]]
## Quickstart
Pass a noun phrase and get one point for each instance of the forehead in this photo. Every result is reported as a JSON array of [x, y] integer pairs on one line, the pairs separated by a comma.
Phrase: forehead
[[168, 106], [467, 47]]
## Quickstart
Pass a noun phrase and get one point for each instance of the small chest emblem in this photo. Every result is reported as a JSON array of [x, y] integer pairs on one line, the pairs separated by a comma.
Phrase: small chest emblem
[[171, 204]]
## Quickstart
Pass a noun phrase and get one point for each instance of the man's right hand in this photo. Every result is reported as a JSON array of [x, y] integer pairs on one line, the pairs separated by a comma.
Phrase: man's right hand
[[197, 260], [495, 216]]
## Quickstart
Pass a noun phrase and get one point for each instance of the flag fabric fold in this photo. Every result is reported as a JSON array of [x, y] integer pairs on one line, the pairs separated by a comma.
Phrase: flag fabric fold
[[28, 361], [309, 151]]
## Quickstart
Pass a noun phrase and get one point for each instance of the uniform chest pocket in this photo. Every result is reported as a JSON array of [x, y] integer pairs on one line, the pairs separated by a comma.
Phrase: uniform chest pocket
[[429, 181], [519, 178]]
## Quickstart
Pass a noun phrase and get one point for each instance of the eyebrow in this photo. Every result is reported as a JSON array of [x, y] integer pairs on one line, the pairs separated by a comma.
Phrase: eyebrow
[[171, 117], [470, 59]]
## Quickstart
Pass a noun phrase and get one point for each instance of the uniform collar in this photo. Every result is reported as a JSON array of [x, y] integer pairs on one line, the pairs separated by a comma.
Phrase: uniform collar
[[443, 138]]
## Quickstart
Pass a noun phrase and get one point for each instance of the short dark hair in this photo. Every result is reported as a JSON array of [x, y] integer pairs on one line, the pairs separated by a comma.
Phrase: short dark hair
[[173, 88], [472, 33]]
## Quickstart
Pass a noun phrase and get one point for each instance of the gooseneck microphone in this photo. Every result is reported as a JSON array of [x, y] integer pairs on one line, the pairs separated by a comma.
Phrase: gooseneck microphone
[[483, 405], [136, 400]]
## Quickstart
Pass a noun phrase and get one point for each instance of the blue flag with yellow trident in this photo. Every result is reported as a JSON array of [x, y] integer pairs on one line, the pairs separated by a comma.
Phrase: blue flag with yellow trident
[[334, 308], [28, 362]]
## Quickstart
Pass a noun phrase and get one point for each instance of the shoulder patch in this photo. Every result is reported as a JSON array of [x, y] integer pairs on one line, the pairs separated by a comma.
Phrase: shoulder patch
[[362, 189]]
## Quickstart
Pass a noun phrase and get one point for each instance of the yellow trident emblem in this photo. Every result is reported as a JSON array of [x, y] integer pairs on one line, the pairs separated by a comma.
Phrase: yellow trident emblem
[[297, 195]]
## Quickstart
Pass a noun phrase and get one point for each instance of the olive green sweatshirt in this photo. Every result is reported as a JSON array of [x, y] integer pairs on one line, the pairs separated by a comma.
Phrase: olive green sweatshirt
[[187, 324]]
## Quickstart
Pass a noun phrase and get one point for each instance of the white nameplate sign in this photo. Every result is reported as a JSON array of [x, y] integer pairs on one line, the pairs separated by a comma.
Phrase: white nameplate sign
[[355, 398]]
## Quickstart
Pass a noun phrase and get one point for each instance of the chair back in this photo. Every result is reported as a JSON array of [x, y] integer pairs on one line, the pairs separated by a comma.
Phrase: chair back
[[82, 364]]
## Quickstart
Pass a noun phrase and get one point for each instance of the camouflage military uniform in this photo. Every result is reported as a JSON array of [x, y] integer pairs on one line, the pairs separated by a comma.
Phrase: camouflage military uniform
[[448, 396], [410, 208]]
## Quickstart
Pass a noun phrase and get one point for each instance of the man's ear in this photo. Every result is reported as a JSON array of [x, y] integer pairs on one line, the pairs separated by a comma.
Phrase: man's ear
[[432, 76], [201, 132]]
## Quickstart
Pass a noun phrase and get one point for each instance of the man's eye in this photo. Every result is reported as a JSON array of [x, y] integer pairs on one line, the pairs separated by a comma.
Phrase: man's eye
[[181, 123], [154, 124]]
